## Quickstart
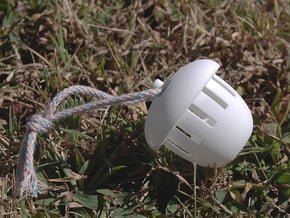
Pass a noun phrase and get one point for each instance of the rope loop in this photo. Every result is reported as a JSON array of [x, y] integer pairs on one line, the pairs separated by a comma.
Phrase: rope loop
[[26, 179]]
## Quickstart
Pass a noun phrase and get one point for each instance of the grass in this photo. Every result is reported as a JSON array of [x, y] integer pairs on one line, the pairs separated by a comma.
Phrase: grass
[[98, 164]]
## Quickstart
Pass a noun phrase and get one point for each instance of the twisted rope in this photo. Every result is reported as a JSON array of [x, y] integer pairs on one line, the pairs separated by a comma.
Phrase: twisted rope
[[26, 180]]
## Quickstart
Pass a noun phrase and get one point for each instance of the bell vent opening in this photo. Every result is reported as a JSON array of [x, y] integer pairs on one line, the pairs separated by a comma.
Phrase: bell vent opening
[[219, 91], [182, 139], [222, 83], [174, 145], [215, 97], [183, 131], [202, 115]]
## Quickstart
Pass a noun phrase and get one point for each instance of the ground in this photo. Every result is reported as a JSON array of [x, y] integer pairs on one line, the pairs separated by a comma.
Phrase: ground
[[98, 164]]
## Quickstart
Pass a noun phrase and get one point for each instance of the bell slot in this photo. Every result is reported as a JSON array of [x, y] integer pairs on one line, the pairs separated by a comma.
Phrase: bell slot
[[215, 97], [222, 83], [202, 115], [183, 131], [173, 145]]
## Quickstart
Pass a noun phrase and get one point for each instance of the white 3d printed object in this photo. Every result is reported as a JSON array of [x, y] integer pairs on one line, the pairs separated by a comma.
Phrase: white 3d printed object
[[199, 116]]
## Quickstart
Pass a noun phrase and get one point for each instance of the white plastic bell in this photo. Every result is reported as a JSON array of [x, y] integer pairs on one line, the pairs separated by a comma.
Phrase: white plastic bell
[[199, 116]]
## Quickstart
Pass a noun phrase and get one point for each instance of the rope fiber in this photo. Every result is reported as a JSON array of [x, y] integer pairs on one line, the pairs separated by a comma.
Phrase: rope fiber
[[27, 182]]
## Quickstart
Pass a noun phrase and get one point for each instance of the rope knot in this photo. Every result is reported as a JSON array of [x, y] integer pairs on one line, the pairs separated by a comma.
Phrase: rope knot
[[26, 180], [39, 124]]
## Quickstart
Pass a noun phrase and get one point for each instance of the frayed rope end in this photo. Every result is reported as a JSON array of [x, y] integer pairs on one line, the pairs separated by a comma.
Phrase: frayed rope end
[[29, 185]]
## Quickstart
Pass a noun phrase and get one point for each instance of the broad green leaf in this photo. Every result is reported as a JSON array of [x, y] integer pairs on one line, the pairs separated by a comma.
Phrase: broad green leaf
[[89, 201], [84, 167], [286, 138], [74, 134], [45, 202], [83, 212], [106, 175], [135, 216], [107, 192], [220, 195], [272, 128], [284, 178]]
